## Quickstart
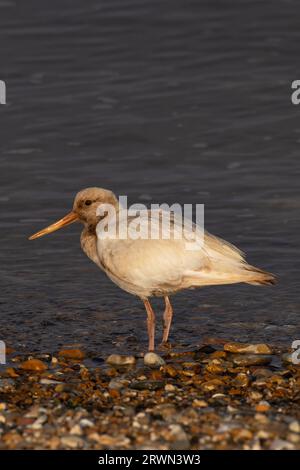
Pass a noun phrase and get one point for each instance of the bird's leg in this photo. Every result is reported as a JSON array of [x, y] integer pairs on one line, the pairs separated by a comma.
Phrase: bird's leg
[[168, 314], [150, 324]]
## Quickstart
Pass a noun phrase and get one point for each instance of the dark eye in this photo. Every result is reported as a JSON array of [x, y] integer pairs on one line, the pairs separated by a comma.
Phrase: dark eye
[[88, 202]]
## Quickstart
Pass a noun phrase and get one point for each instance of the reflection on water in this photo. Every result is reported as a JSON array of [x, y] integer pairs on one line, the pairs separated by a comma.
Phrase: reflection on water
[[166, 102]]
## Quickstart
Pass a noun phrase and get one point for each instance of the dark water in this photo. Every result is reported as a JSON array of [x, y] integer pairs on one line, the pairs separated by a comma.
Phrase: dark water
[[165, 101]]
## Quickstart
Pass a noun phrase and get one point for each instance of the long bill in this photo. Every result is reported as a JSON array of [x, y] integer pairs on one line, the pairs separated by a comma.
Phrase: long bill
[[67, 220]]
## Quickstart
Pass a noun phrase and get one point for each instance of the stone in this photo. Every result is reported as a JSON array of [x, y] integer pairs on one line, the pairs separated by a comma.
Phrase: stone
[[166, 411], [294, 426], [38, 423], [76, 430], [246, 348], [280, 444], [177, 436], [118, 384], [71, 354], [72, 441], [152, 359], [86, 423], [262, 407], [251, 360], [49, 382], [199, 403], [170, 388], [10, 371], [34, 365], [118, 360], [288, 358], [147, 385]]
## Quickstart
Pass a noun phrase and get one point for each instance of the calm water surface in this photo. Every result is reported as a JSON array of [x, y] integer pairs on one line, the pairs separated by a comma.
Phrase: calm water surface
[[174, 101]]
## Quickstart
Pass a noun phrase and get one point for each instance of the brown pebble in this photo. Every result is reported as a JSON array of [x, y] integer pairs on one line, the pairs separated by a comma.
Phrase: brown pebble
[[251, 360], [241, 348], [34, 365], [10, 371], [71, 353], [262, 407]]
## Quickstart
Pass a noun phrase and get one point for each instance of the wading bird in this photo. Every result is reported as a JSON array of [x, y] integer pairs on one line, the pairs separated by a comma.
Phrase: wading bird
[[148, 267]]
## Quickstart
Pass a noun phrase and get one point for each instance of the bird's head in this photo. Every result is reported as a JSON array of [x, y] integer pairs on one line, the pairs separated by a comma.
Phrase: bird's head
[[85, 210]]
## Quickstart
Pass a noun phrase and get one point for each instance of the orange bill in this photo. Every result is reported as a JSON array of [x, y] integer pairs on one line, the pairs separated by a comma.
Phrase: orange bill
[[67, 220]]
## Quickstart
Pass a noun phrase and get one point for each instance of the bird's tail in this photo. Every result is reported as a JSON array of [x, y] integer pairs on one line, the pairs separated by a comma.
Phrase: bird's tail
[[258, 277]]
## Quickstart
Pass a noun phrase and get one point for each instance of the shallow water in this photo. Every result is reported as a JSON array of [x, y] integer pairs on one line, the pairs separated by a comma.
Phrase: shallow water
[[166, 102]]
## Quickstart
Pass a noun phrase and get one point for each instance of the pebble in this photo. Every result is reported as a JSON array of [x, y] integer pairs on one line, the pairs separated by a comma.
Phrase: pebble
[[152, 359], [148, 384], [72, 441], [86, 423], [38, 423], [287, 358], [262, 407], [200, 403], [294, 426], [76, 430], [170, 388], [280, 444], [241, 348], [166, 411], [118, 360], [34, 365], [71, 354], [49, 382], [118, 384], [251, 360], [177, 435]]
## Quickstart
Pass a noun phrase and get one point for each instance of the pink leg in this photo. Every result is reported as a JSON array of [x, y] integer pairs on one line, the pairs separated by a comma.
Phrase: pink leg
[[150, 324], [168, 314]]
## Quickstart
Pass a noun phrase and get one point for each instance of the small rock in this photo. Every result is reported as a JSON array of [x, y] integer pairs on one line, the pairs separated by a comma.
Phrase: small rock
[[118, 360], [251, 360], [10, 371], [166, 411], [148, 385], [169, 370], [170, 388], [71, 354], [242, 348], [262, 372], [280, 444], [294, 426], [34, 365], [261, 418], [72, 441], [33, 412], [76, 430], [38, 423], [212, 385], [262, 407], [177, 437], [86, 423], [152, 359], [49, 382], [288, 358], [199, 403], [118, 384]]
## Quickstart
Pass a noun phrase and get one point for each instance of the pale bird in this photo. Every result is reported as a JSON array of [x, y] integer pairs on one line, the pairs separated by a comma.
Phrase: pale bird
[[155, 267]]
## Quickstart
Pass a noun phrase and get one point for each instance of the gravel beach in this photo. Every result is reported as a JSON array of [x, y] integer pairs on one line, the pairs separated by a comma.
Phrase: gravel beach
[[217, 396]]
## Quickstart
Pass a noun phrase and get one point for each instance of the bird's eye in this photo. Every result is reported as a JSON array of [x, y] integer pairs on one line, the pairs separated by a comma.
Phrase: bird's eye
[[88, 202]]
